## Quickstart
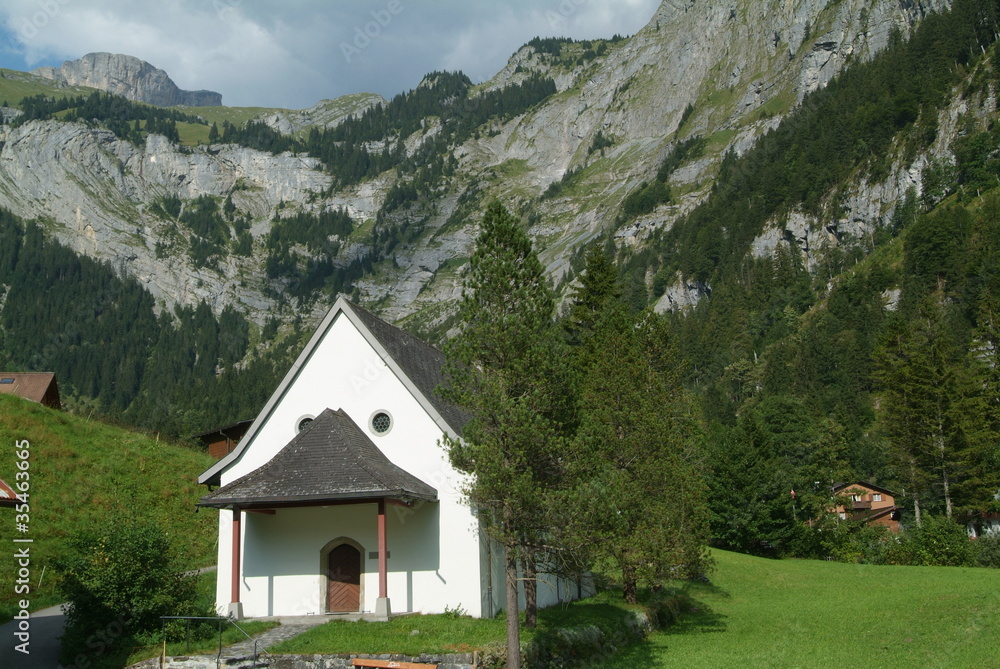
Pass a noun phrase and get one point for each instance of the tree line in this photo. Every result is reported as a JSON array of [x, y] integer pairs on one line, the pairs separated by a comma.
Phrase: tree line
[[348, 150], [115, 351], [130, 121]]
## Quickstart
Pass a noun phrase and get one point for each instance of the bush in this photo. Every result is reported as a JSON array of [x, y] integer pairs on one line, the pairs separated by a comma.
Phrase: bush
[[940, 541], [868, 544], [118, 580], [988, 550]]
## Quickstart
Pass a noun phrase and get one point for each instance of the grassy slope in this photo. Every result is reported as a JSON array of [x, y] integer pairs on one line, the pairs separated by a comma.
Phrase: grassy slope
[[805, 613], [15, 86], [79, 471]]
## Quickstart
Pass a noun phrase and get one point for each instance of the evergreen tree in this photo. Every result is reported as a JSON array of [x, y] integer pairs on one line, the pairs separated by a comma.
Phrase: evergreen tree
[[976, 493], [503, 368], [598, 286], [640, 493], [925, 395]]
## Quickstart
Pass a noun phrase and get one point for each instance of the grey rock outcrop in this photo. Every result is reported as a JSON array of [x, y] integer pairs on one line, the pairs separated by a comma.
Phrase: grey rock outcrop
[[100, 192], [324, 114], [129, 77]]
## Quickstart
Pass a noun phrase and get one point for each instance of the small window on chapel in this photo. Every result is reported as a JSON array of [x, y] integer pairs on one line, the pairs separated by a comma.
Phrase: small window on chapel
[[381, 422], [303, 423]]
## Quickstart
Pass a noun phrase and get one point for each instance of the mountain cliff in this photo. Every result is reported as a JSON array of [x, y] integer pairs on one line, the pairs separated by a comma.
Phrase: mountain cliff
[[725, 75], [129, 77]]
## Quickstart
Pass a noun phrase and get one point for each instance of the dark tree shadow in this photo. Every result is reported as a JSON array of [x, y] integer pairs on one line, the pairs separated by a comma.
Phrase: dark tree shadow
[[698, 619]]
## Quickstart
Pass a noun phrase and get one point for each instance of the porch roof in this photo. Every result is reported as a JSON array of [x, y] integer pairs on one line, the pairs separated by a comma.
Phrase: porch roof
[[331, 460]]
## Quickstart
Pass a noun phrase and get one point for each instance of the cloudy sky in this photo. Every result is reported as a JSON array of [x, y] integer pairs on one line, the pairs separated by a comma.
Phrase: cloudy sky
[[292, 53]]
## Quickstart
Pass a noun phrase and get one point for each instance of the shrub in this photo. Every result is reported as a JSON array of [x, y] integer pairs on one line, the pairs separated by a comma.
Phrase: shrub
[[940, 541], [988, 550], [118, 580]]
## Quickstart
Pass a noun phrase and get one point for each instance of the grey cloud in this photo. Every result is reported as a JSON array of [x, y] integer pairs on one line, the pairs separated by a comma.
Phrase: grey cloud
[[291, 54]]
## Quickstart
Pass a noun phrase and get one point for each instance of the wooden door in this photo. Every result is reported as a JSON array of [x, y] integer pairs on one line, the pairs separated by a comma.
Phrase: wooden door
[[344, 580]]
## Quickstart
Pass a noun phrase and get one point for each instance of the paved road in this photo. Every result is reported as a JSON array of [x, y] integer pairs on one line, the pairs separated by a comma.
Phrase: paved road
[[45, 628]]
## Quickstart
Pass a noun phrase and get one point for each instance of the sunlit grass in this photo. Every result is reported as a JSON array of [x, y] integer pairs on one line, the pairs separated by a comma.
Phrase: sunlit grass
[[80, 471], [805, 613], [442, 634]]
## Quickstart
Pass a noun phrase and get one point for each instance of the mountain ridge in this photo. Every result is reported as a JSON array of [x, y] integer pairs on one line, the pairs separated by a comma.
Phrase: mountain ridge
[[129, 77], [729, 76]]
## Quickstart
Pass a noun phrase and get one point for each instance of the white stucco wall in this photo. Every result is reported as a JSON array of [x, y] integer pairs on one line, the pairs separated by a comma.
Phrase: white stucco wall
[[551, 589], [435, 558], [986, 527]]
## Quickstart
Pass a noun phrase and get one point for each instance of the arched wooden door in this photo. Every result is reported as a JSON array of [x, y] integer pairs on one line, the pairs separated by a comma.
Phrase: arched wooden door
[[343, 592]]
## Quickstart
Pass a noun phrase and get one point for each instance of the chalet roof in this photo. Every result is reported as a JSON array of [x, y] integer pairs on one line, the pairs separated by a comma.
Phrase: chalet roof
[[29, 385], [330, 460], [7, 495], [843, 486], [239, 428], [418, 365]]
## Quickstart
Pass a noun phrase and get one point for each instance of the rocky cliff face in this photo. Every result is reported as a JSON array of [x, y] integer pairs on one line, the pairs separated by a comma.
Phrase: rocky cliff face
[[727, 73], [95, 193], [129, 77]]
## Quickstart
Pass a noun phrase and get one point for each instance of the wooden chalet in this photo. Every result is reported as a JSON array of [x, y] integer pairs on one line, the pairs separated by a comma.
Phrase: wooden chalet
[[222, 441], [868, 503], [7, 495], [38, 387]]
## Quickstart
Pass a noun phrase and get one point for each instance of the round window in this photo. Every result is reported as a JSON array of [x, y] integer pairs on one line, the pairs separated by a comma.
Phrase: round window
[[304, 423], [381, 422]]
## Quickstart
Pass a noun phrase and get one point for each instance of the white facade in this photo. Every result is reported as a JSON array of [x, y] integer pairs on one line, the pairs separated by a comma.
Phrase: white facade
[[987, 527], [438, 557]]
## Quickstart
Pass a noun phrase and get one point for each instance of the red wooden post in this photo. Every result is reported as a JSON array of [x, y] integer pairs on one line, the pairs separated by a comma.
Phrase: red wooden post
[[236, 555], [383, 581]]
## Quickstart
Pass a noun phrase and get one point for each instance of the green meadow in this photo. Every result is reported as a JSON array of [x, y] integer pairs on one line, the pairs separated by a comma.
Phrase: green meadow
[[808, 613], [80, 472], [754, 613]]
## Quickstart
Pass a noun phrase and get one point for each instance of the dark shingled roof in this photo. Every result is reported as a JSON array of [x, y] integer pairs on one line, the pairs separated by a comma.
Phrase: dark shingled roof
[[330, 460], [420, 361]]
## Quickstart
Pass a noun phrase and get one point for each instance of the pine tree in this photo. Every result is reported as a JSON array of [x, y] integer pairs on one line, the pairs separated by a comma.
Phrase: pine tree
[[976, 493], [926, 393], [640, 494], [504, 369], [598, 285]]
